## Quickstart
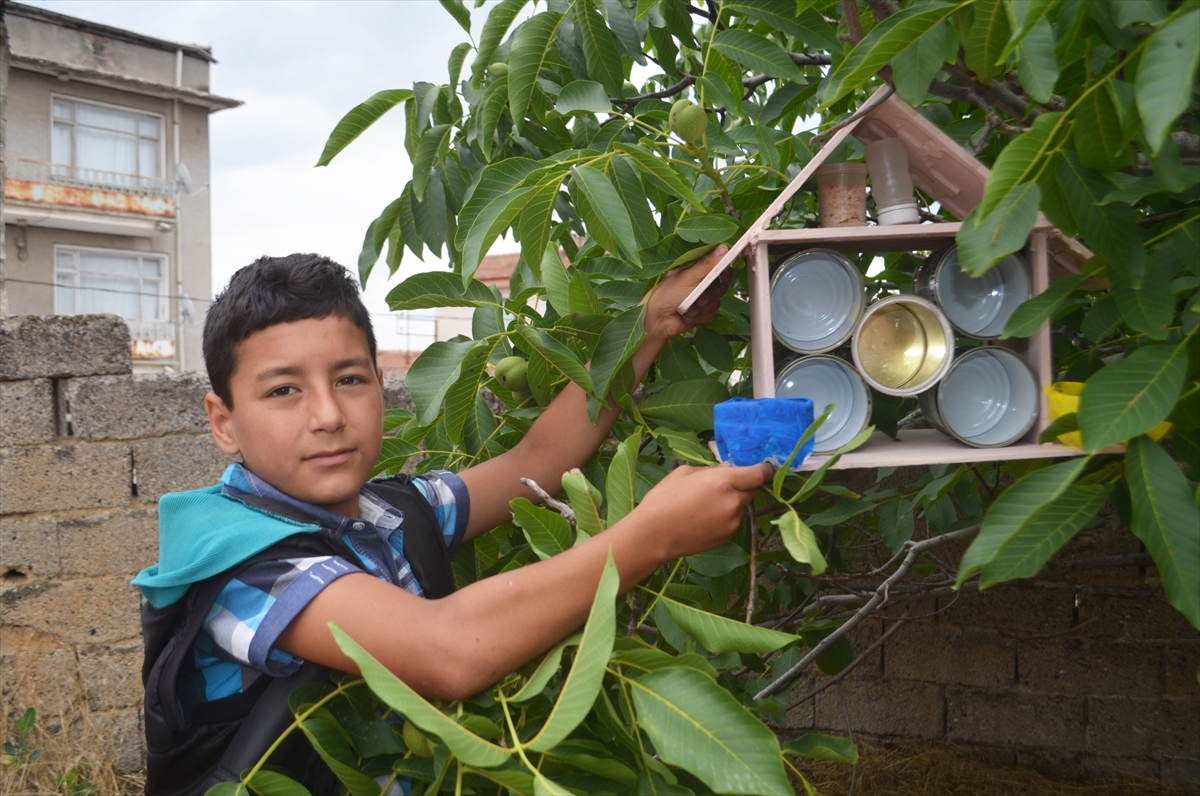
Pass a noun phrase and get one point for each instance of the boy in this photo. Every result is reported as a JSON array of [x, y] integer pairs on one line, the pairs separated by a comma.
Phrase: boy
[[252, 573]]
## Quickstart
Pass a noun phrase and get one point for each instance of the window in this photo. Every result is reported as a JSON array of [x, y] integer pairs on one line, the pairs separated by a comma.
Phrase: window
[[129, 284], [105, 146]]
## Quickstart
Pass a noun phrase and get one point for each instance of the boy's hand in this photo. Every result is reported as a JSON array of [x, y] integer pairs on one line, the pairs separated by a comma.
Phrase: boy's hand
[[695, 509], [662, 319]]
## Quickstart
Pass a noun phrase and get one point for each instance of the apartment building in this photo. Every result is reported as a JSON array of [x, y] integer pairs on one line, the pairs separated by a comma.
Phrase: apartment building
[[106, 205]]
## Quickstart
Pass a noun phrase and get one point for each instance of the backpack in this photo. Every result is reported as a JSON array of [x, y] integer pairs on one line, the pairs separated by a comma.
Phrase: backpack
[[222, 738]]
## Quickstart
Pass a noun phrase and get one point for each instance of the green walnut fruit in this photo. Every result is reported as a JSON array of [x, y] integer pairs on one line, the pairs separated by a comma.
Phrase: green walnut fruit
[[521, 396], [498, 69], [688, 121], [416, 741], [513, 374]]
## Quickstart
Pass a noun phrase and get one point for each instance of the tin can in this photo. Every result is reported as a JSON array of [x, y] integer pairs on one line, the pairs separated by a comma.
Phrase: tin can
[[817, 297], [988, 399], [828, 380], [977, 307], [903, 345]]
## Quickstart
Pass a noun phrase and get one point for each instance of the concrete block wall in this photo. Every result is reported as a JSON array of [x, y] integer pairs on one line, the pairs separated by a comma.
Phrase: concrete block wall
[[86, 450], [1085, 677]]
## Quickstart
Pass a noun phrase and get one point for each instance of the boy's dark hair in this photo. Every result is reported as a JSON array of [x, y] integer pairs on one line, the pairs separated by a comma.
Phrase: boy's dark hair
[[274, 290]]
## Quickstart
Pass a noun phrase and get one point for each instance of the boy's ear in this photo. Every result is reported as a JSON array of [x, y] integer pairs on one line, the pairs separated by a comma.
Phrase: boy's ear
[[220, 420]]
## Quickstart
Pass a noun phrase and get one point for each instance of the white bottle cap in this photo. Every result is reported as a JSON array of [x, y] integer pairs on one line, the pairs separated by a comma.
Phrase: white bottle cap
[[899, 214]]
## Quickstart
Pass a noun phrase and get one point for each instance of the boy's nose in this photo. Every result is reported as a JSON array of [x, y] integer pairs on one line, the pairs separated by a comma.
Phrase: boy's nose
[[325, 413]]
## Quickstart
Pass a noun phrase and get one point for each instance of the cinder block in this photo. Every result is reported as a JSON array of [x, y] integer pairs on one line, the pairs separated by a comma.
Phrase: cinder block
[[26, 412], [46, 680], [1016, 718], [109, 543], [59, 477], [111, 676], [1078, 764], [1013, 609], [1182, 661], [30, 543], [177, 464], [1143, 727], [114, 735], [1181, 771], [1079, 667], [1148, 619], [92, 611], [802, 716], [396, 394], [950, 655], [61, 346], [128, 407], [883, 707]]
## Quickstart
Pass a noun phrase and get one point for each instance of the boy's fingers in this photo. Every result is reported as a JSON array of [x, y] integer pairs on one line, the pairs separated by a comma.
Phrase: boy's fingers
[[696, 272], [745, 479]]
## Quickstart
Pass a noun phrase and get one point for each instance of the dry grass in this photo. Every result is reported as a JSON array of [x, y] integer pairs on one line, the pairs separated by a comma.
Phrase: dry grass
[[69, 744], [932, 769]]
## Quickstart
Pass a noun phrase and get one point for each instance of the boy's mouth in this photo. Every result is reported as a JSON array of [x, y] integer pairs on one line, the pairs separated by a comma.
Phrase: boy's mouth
[[331, 458]]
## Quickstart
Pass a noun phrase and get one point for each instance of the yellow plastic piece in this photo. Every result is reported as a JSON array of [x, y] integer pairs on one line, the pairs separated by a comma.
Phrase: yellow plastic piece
[[1063, 399]]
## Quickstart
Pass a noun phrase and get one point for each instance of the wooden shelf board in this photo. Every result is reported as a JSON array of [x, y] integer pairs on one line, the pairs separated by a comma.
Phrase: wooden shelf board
[[922, 447]]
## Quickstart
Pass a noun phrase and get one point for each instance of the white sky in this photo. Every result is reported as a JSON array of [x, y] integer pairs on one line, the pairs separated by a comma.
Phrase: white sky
[[299, 67]]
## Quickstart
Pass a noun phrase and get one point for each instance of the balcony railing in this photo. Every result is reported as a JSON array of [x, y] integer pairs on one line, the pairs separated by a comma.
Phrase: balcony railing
[[38, 171]]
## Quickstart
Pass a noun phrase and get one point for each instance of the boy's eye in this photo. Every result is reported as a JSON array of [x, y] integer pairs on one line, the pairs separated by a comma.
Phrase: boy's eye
[[279, 392], [346, 380]]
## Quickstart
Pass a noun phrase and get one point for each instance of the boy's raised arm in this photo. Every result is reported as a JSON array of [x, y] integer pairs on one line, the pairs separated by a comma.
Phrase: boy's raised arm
[[563, 437]]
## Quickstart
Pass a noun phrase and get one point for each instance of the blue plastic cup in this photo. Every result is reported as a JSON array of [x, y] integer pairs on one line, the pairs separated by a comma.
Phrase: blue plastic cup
[[750, 431]]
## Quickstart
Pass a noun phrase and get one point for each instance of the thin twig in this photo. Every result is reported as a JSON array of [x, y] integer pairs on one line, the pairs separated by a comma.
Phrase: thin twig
[[670, 91], [913, 551], [853, 23], [806, 59], [875, 101], [753, 565], [562, 508]]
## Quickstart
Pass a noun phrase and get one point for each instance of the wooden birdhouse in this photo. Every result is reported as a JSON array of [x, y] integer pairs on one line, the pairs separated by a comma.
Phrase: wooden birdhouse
[[947, 173]]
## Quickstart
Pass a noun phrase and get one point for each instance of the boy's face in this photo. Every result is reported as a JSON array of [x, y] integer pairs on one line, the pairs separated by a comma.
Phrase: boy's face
[[308, 410]]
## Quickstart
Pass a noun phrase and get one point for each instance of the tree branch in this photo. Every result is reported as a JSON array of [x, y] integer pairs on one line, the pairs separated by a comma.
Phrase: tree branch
[[670, 91], [805, 59], [853, 23], [557, 505]]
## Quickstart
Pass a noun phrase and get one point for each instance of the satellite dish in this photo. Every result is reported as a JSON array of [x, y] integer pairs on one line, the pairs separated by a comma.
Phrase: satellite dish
[[183, 178]]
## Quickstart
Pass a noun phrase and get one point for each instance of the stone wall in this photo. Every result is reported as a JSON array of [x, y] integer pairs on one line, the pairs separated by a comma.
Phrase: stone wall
[[1086, 673], [86, 450]]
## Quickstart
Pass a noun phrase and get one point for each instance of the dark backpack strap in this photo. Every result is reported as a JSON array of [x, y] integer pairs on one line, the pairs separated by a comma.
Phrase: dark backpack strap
[[424, 545]]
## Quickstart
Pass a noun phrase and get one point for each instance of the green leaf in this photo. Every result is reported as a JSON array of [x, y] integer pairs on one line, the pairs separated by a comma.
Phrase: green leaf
[[711, 228], [772, 11], [599, 50], [500, 18], [653, 660], [1037, 66], [464, 744], [585, 501], [1131, 396], [983, 242], [1165, 76], [719, 561], [757, 53], [896, 523], [272, 783], [916, 67], [330, 743], [633, 196], [718, 634], [532, 49], [548, 532], [516, 779], [438, 289], [987, 38], [587, 672], [618, 343], [715, 349], [360, 118], [1015, 509], [661, 172], [1146, 304], [609, 209], [460, 13], [1097, 132], [455, 63], [460, 398], [1024, 17], [1109, 229], [620, 486], [1066, 424], [1026, 551], [368, 255], [800, 542], [1018, 162], [885, 41], [489, 208], [432, 374], [698, 725], [560, 357], [555, 278], [823, 747], [431, 146], [541, 676], [686, 403], [1165, 518], [1034, 311], [583, 96], [227, 789]]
